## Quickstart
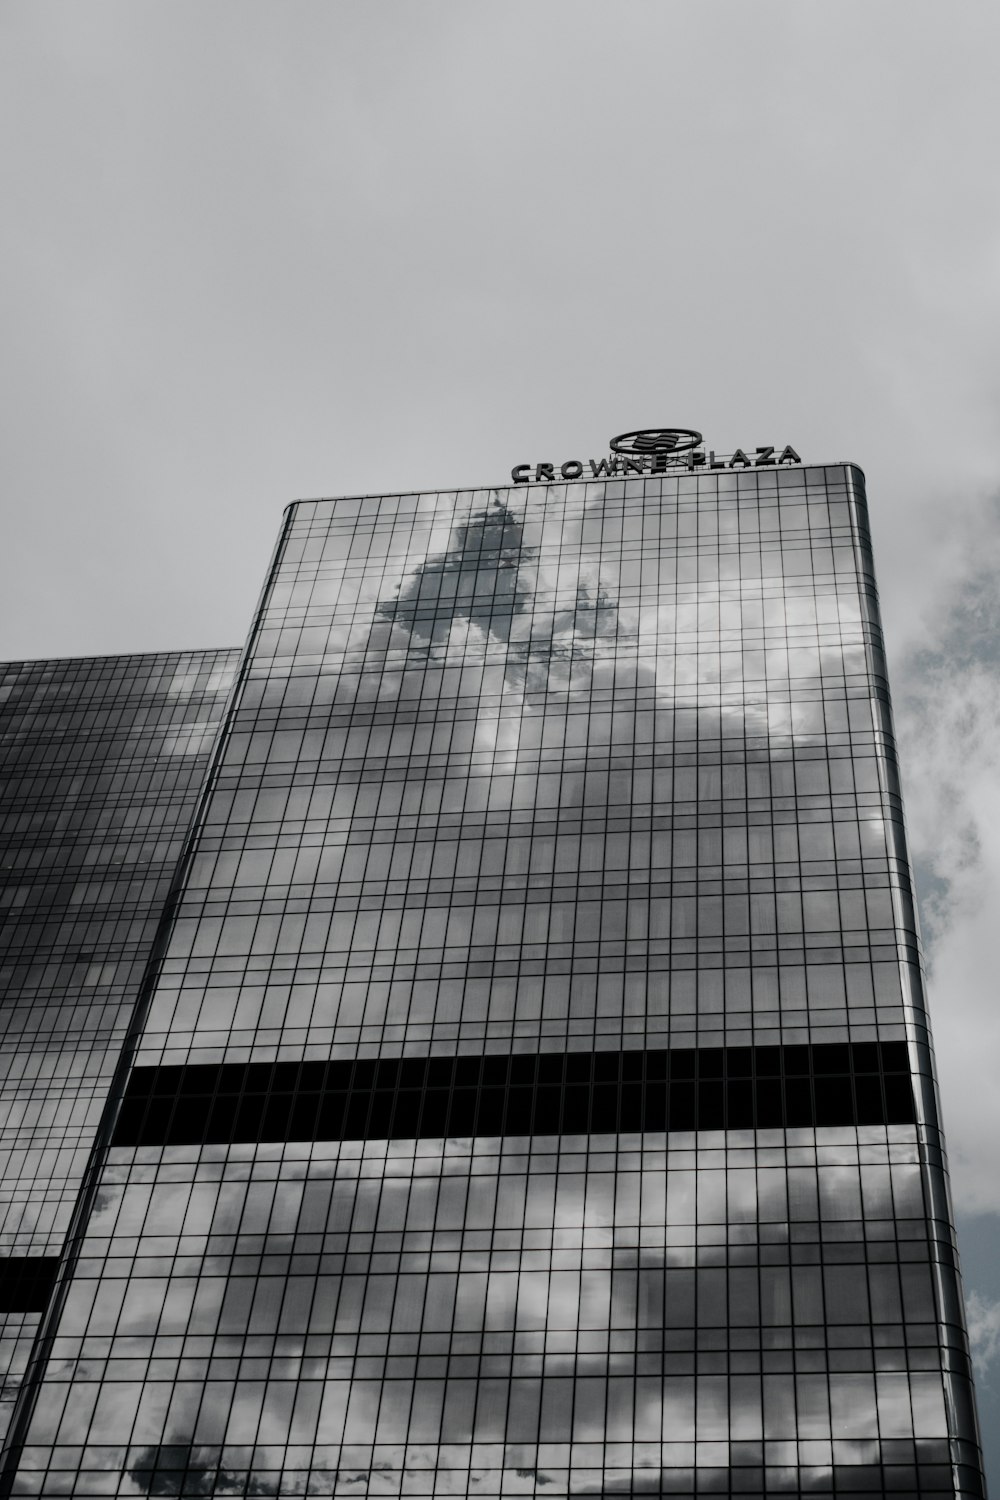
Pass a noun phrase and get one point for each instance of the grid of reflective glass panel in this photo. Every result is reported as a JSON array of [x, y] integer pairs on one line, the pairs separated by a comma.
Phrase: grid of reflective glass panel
[[580, 777], [554, 766], [101, 763]]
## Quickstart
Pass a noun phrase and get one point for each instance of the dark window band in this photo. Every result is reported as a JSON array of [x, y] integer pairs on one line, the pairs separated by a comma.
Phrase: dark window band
[[26, 1282], [708, 1088]]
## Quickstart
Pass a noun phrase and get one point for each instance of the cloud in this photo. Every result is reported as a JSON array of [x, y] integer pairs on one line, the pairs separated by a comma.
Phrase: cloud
[[948, 720], [983, 1315]]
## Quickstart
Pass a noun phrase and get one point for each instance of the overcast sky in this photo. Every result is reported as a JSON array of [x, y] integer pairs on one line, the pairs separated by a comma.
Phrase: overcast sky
[[255, 252]]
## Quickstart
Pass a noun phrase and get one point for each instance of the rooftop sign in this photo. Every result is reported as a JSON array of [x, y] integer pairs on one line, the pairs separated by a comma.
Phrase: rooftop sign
[[653, 450], [647, 440]]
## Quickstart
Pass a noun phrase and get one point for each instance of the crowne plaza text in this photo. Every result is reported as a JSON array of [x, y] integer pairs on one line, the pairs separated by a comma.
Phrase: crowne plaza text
[[649, 463]]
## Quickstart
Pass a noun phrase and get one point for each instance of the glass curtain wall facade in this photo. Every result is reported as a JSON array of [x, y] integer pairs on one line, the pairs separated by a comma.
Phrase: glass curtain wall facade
[[101, 763], [533, 1089]]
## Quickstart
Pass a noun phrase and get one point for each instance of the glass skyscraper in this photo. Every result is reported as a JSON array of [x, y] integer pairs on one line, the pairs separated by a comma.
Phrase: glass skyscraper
[[101, 763], [530, 1089]]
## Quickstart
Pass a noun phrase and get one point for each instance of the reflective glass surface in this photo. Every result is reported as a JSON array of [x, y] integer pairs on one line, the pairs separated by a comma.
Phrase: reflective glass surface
[[534, 1091], [101, 764]]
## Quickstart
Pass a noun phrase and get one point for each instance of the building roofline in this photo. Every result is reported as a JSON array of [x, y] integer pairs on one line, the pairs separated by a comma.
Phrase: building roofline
[[111, 656], [537, 484]]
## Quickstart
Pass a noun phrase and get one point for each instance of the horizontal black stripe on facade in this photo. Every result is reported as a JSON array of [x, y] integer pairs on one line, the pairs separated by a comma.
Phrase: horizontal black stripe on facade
[[26, 1282], [710, 1088]]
